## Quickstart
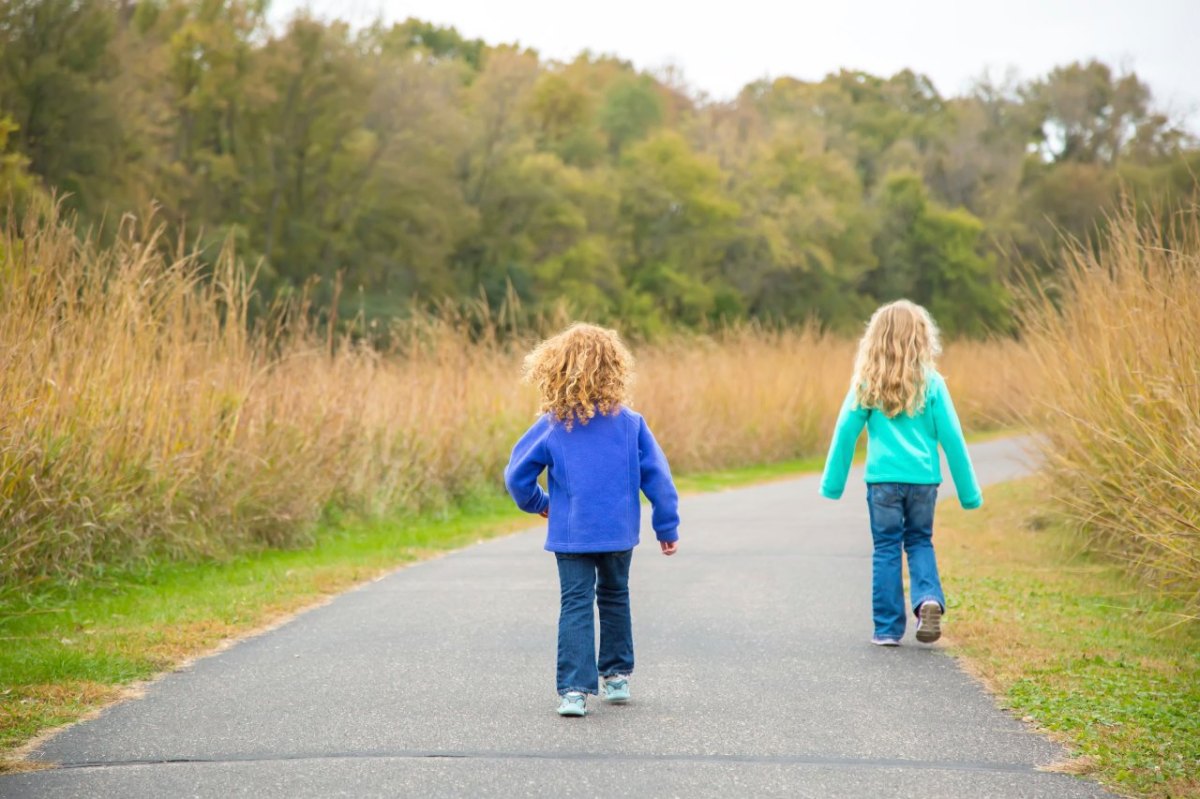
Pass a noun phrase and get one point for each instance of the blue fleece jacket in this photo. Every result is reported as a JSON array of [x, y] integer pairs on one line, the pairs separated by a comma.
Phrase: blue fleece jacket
[[596, 471]]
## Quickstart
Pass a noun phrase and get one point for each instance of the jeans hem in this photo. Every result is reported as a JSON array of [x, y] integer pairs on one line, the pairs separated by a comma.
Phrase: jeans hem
[[587, 691], [617, 673], [917, 605]]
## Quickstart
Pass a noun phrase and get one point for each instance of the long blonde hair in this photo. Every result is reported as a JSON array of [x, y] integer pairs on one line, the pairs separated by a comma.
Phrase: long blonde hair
[[582, 371], [895, 357]]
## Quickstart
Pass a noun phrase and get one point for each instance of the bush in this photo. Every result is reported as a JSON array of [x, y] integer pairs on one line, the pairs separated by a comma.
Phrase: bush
[[1117, 346]]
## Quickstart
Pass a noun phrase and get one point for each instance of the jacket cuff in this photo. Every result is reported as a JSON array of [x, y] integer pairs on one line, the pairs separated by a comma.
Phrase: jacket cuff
[[972, 503], [829, 493], [667, 536]]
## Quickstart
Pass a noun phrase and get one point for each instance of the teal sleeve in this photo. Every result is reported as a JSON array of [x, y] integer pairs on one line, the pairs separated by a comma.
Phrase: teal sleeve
[[950, 436], [850, 423]]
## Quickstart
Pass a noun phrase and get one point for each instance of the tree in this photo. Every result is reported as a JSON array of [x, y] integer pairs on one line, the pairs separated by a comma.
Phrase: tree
[[631, 109], [563, 115], [933, 256], [680, 222], [1090, 115], [978, 161], [55, 68], [438, 43], [805, 237]]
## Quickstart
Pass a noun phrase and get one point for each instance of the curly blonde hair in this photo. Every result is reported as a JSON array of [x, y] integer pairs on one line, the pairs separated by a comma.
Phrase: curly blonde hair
[[582, 371], [895, 357]]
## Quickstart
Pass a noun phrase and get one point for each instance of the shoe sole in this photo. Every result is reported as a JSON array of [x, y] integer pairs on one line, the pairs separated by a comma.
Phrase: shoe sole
[[886, 643], [931, 623], [574, 712]]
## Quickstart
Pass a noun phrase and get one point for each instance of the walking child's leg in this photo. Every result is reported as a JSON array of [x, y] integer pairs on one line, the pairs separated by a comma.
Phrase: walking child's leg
[[924, 583], [616, 623], [576, 628], [885, 503]]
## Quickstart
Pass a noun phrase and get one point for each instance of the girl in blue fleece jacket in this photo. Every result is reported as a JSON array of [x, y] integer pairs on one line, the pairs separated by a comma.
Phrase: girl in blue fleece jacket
[[599, 456]]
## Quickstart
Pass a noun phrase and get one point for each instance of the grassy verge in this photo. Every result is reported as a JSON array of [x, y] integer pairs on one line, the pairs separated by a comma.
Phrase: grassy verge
[[67, 650], [1073, 644]]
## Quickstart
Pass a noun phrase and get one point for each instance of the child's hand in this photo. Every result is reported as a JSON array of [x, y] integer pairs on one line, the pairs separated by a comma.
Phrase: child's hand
[[545, 514], [669, 547]]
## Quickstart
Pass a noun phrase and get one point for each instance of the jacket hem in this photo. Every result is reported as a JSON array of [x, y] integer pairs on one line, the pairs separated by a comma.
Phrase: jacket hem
[[591, 546], [902, 478]]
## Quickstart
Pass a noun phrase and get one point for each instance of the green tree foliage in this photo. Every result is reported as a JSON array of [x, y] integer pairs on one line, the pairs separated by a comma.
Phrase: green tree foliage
[[54, 62], [631, 109], [15, 180], [804, 242], [679, 223], [424, 166], [934, 256]]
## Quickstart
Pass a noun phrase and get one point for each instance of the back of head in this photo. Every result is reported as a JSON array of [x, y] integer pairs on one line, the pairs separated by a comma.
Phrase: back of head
[[894, 358], [582, 371]]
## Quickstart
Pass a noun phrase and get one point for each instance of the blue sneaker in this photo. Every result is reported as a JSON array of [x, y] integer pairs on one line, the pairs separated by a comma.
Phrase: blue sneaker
[[616, 688], [880, 640], [573, 704]]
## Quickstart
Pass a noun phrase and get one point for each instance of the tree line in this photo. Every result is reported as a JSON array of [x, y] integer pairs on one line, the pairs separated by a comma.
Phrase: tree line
[[424, 166]]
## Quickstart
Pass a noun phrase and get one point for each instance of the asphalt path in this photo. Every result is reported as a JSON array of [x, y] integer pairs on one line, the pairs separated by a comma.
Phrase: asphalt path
[[755, 677]]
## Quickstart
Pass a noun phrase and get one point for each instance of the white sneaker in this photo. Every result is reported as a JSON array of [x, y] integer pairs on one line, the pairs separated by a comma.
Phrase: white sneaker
[[929, 622]]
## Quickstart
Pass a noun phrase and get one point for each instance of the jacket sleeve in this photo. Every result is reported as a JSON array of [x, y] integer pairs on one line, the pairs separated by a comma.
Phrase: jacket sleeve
[[950, 436], [850, 423], [657, 485], [529, 457]]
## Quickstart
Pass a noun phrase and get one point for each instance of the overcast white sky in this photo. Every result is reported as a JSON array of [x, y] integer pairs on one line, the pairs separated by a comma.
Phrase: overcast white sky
[[721, 46]]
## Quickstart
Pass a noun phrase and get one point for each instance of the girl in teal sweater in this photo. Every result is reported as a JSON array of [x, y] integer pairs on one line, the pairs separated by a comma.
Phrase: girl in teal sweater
[[899, 397]]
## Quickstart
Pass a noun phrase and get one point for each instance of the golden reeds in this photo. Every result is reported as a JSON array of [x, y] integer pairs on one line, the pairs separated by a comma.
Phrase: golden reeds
[[1118, 355], [144, 415]]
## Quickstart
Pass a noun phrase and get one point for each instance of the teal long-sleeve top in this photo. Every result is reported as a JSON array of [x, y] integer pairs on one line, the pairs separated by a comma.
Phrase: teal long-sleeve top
[[903, 449]]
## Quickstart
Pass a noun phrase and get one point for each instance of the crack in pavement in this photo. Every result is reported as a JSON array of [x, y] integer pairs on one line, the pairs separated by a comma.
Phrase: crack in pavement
[[405, 754]]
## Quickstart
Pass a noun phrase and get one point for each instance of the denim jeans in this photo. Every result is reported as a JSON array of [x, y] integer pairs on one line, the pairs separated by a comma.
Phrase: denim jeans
[[587, 580], [902, 516]]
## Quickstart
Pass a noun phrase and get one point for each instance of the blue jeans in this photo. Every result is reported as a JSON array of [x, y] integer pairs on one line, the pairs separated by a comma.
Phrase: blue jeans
[[902, 516], [599, 579]]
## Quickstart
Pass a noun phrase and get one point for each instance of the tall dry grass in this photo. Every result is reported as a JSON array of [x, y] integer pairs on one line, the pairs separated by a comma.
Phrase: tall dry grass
[[749, 396], [1118, 360], [143, 414]]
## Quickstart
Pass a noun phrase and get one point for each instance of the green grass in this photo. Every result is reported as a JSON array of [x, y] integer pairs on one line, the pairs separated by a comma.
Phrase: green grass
[[1072, 642]]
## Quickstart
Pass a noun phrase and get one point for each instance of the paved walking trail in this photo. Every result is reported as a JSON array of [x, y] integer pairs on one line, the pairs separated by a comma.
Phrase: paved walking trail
[[755, 678]]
